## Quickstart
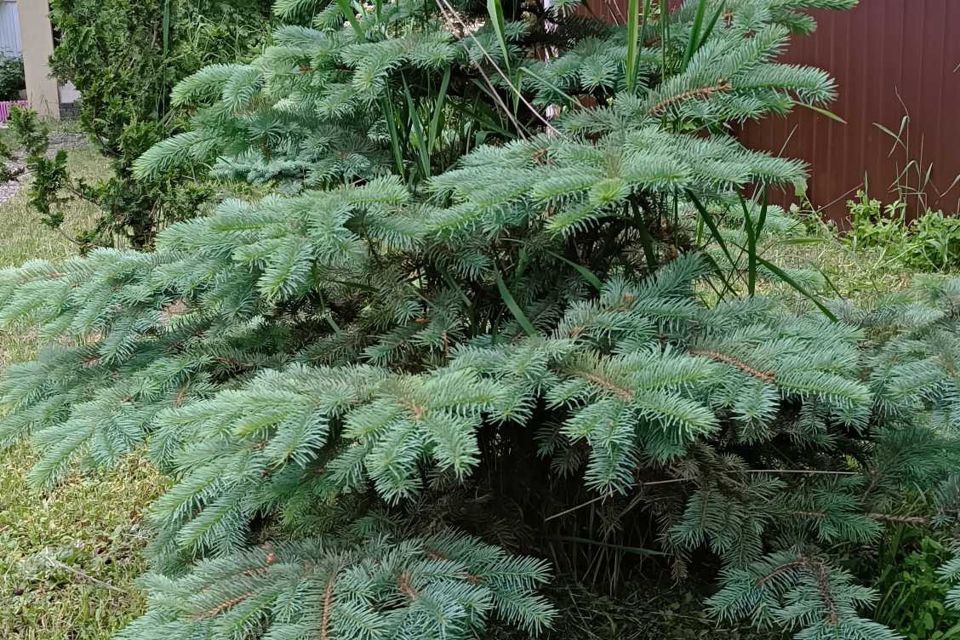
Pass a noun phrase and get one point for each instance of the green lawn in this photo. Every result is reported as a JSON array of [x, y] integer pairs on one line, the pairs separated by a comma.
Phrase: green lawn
[[68, 558]]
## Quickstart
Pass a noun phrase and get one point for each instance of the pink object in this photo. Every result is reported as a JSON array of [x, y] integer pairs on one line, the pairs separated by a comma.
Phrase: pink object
[[7, 106]]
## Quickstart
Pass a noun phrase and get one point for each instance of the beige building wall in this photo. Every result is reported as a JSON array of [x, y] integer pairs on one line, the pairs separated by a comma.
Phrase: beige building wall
[[37, 38]]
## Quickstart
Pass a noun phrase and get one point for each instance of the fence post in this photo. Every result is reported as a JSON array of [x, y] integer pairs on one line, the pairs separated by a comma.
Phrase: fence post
[[37, 38]]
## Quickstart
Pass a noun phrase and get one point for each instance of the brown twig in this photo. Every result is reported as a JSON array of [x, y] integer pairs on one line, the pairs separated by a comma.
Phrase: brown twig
[[765, 376], [881, 517], [403, 583], [620, 391], [823, 585], [415, 409], [782, 569], [327, 607], [220, 608], [703, 92]]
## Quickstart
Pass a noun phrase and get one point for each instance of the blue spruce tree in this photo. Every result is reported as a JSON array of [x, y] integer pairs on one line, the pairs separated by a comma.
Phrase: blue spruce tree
[[471, 315]]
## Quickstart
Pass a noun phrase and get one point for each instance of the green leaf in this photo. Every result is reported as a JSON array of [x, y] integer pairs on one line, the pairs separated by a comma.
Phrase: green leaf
[[753, 235], [419, 140], [823, 112], [712, 225], [570, 99], [351, 17], [785, 277], [515, 309], [495, 12], [588, 275], [711, 25], [727, 287], [635, 31], [695, 38], [438, 110], [396, 143]]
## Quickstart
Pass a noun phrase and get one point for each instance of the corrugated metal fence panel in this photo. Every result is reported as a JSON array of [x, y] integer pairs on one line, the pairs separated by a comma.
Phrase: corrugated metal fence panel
[[891, 59], [10, 44]]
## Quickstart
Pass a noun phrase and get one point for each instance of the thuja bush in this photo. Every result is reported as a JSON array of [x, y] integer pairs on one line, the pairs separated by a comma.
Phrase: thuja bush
[[466, 346], [124, 57]]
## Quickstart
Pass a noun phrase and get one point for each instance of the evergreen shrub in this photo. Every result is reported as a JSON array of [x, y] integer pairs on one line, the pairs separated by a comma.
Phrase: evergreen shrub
[[124, 56], [466, 344]]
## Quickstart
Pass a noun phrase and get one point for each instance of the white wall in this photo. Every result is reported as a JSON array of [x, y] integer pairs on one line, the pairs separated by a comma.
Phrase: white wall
[[69, 93]]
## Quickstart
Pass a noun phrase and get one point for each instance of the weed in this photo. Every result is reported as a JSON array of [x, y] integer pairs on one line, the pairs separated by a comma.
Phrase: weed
[[912, 593], [930, 242]]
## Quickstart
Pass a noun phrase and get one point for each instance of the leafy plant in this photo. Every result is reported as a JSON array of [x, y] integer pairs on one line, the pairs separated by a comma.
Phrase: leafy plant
[[124, 56], [12, 80], [465, 345], [875, 225], [937, 241], [930, 242], [913, 593]]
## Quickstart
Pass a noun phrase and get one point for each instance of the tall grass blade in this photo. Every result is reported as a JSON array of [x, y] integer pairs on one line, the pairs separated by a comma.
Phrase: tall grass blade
[[644, 18], [350, 16], [695, 36], [642, 551], [897, 137], [514, 308], [711, 25], [727, 287], [751, 249], [396, 144], [830, 283], [167, 26], [785, 277], [665, 31], [753, 229], [585, 273], [633, 41], [418, 139], [434, 129], [708, 219], [495, 12], [821, 111], [570, 99]]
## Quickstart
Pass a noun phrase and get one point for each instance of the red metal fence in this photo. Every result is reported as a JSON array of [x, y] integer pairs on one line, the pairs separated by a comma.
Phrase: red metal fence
[[7, 106], [892, 59]]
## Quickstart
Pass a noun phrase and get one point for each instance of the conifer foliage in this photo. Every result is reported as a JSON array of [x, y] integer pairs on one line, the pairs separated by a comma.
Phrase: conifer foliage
[[389, 392], [124, 56]]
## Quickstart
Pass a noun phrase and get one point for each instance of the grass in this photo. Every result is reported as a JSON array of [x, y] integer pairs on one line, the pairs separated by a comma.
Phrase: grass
[[23, 237], [69, 557], [862, 275], [820, 260], [834, 268]]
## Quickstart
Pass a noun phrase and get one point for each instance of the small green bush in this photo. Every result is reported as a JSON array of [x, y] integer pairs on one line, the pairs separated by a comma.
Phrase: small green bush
[[912, 590], [11, 78], [125, 56], [930, 242]]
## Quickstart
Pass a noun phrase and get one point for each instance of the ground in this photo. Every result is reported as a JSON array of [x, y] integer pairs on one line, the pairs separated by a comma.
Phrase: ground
[[68, 558]]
